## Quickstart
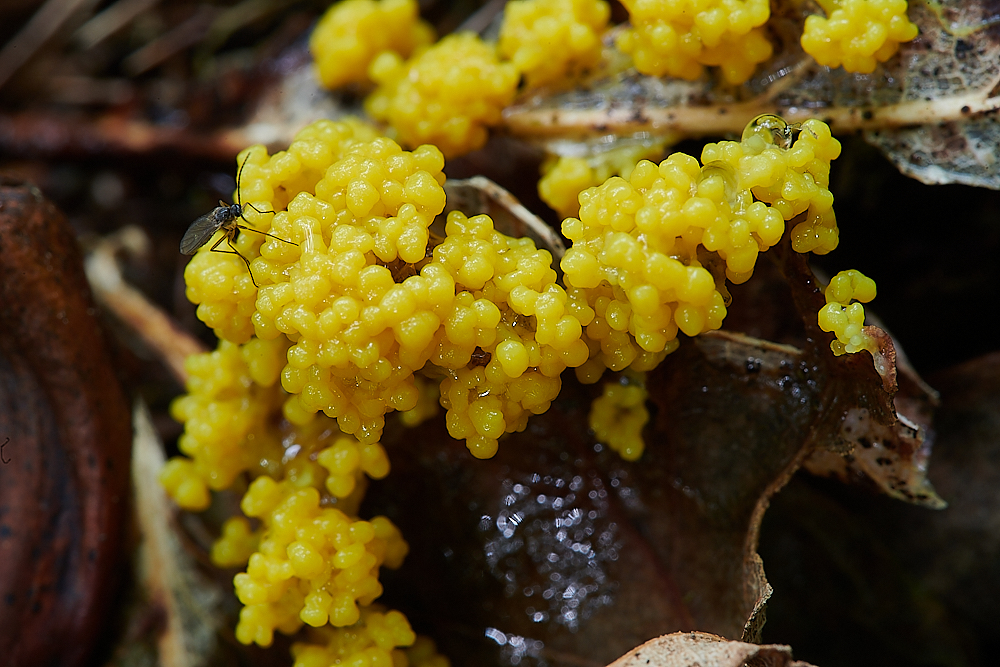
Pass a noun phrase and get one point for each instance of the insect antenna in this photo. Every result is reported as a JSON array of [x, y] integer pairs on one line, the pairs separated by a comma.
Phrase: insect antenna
[[240, 204], [234, 251], [239, 199]]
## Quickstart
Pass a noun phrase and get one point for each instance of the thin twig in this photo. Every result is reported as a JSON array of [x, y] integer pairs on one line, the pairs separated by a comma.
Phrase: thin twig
[[720, 119], [156, 329], [45, 23], [483, 17], [110, 21], [178, 38], [40, 133]]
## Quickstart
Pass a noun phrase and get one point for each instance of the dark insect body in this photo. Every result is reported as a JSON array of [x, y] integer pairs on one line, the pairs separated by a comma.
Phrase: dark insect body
[[224, 218]]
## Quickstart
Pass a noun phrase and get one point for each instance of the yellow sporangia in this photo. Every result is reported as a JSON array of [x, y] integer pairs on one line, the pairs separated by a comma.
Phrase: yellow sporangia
[[361, 311], [447, 95], [550, 40], [678, 38], [857, 34], [843, 314], [353, 32]]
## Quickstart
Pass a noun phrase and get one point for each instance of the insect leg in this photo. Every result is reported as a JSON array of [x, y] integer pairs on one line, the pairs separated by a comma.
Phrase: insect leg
[[236, 252], [256, 209], [239, 177], [251, 229]]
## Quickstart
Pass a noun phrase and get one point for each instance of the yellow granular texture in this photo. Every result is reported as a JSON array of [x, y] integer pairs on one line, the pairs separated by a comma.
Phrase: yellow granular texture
[[857, 34], [236, 543], [619, 415], [346, 460], [651, 254], [232, 397], [679, 37], [353, 32], [182, 482], [219, 283], [379, 639], [344, 317], [447, 95], [564, 178], [307, 562], [363, 312], [424, 653], [634, 293], [549, 40], [844, 318], [792, 176], [364, 300], [232, 425], [427, 402], [314, 565], [359, 335], [509, 336]]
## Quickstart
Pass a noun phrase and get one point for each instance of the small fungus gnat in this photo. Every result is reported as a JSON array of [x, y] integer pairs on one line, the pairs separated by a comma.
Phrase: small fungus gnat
[[224, 217]]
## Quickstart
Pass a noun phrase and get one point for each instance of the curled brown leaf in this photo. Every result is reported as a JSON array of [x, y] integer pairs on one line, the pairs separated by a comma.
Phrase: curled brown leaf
[[65, 423]]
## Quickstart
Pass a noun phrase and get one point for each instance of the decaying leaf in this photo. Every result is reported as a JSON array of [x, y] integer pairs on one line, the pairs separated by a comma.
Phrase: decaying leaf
[[171, 586], [931, 108], [952, 69], [951, 152], [905, 585], [574, 555], [684, 649], [894, 457], [64, 429]]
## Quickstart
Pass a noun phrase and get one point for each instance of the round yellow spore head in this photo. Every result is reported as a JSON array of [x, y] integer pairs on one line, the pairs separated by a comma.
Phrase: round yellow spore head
[[353, 32], [448, 95]]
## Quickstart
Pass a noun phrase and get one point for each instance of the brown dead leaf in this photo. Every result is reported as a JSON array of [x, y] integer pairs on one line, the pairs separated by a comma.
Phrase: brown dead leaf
[[906, 586], [685, 649], [883, 440], [931, 108], [894, 457], [951, 68], [64, 425], [556, 551]]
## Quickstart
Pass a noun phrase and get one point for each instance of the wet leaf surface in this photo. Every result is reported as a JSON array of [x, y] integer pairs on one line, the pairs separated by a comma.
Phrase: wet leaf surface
[[65, 427], [910, 587], [558, 551]]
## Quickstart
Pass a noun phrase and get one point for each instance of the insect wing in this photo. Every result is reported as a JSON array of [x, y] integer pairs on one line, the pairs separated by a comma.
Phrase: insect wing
[[199, 233]]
